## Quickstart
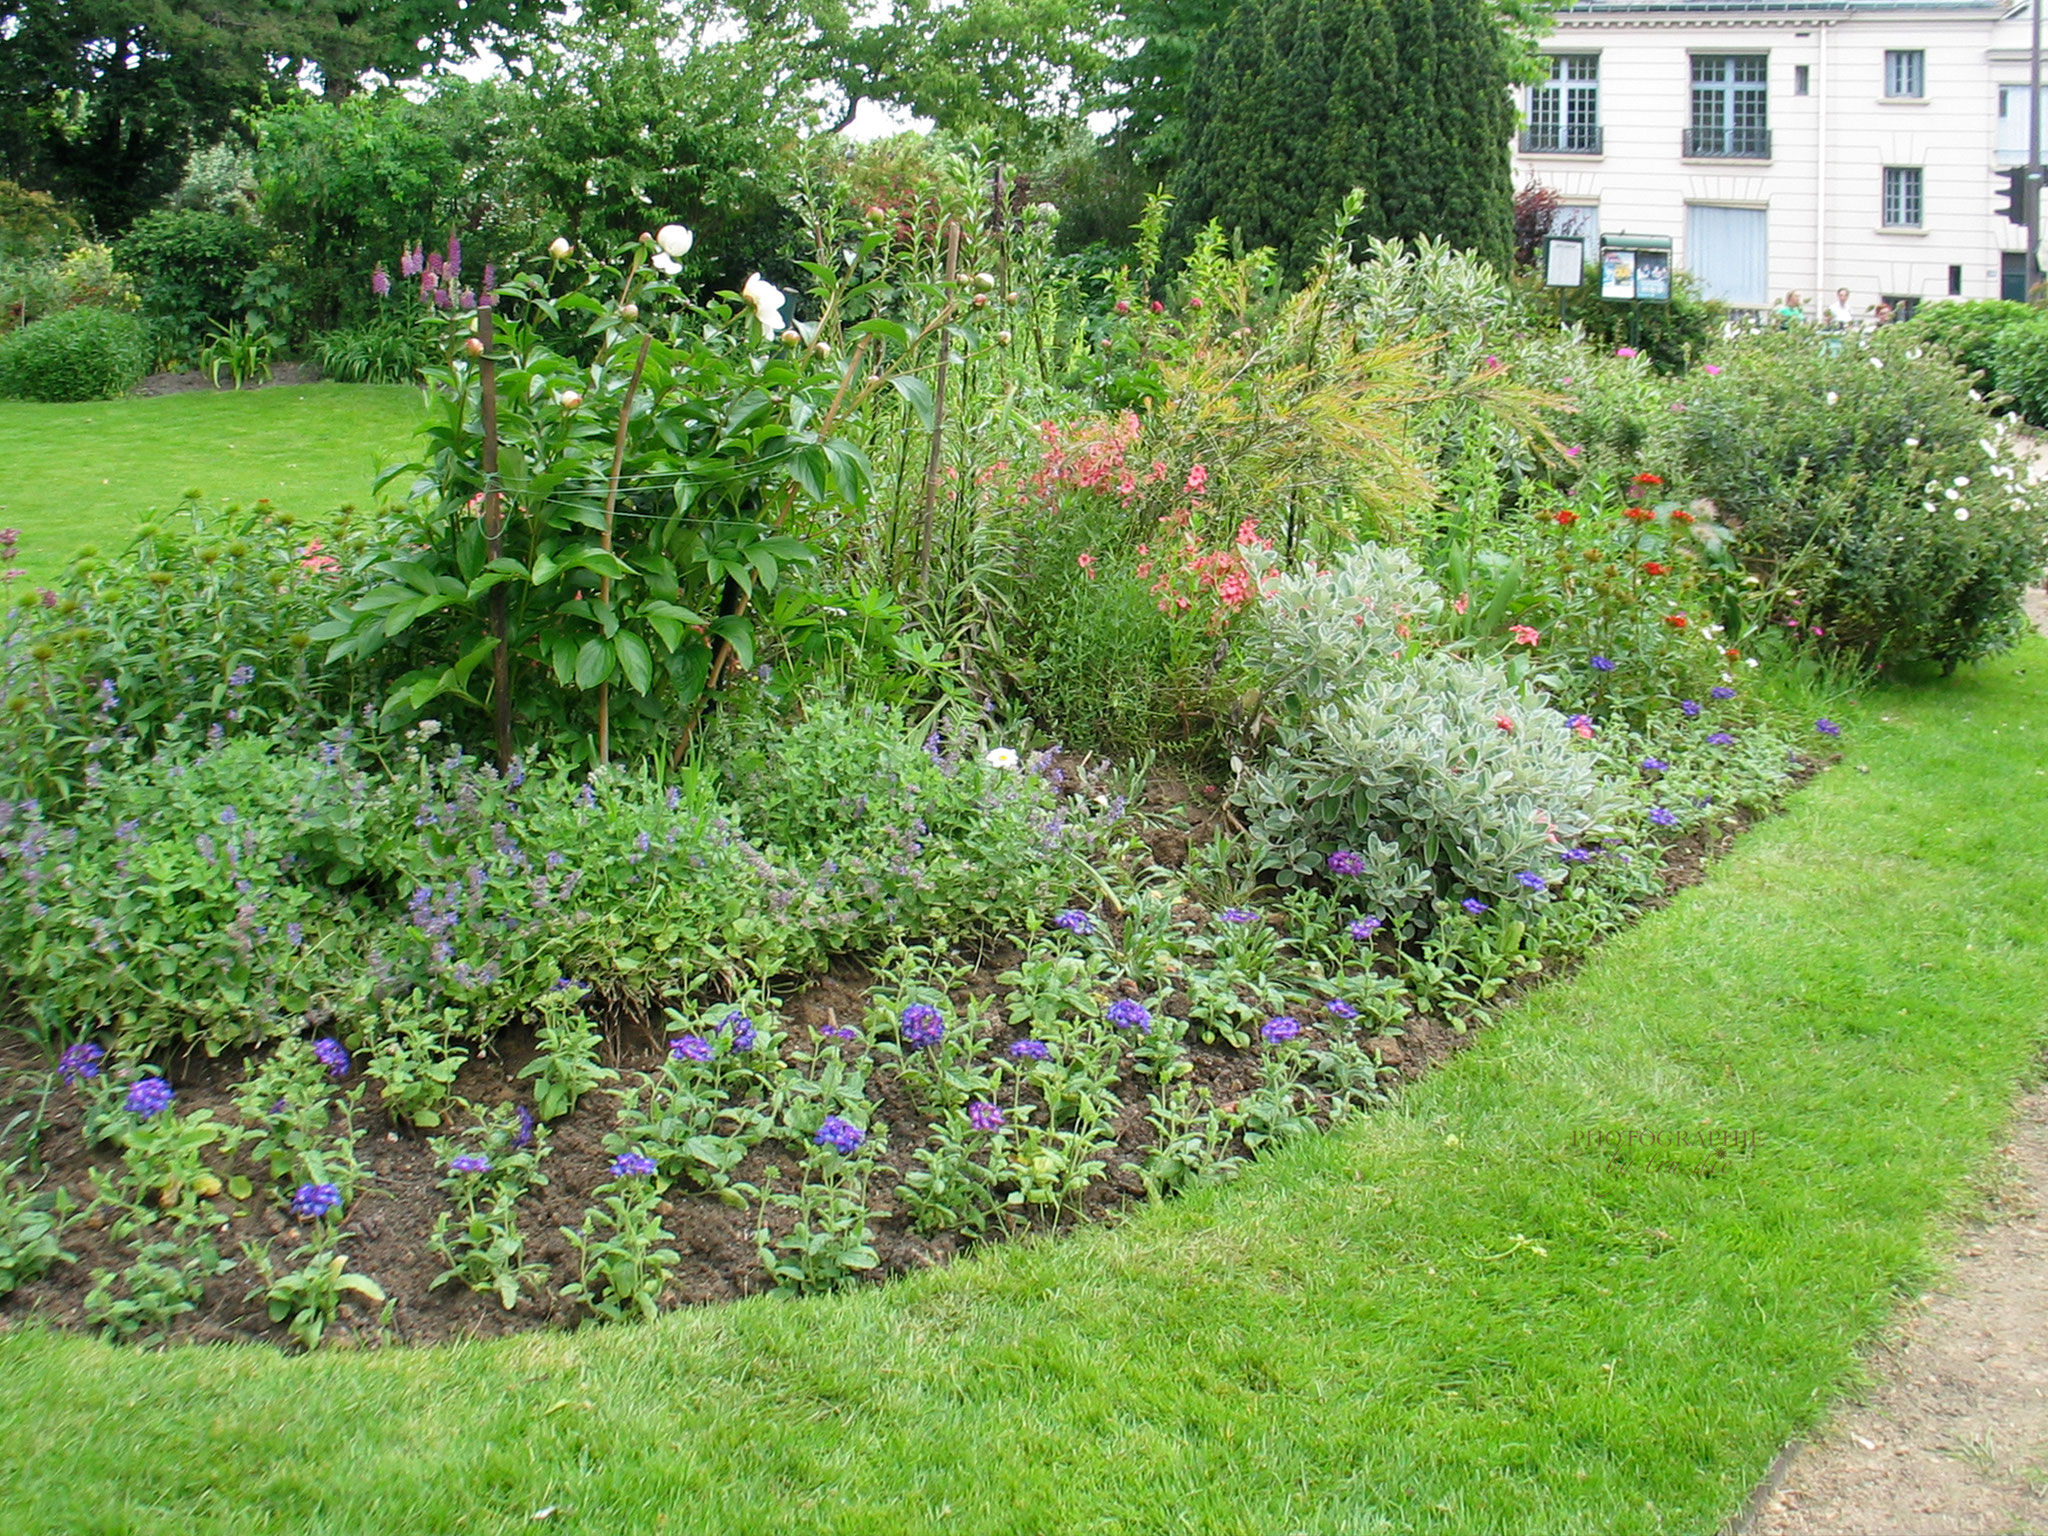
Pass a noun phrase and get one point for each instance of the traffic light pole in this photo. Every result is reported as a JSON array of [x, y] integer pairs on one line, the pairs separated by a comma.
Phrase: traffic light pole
[[2034, 155]]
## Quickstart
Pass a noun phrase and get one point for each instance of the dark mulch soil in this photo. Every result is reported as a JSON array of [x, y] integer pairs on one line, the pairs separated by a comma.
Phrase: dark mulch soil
[[387, 1228], [191, 379]]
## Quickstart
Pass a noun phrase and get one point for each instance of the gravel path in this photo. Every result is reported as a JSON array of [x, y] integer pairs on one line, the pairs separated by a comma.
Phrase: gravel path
[[1954, 1441]]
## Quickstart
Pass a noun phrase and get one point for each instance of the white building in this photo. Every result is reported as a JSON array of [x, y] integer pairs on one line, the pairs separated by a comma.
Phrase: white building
[[1787, 145]]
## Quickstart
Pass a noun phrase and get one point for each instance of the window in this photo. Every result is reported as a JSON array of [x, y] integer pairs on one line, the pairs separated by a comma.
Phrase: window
[[2013, 125], [1564, 111], [1955, 282], [1727, 251], [1902, 197], [1802, 79], [1730, 106], [1905, 72]]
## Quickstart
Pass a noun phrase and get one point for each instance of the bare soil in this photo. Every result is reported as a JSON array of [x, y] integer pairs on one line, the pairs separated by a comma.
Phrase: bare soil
[[191, 379]]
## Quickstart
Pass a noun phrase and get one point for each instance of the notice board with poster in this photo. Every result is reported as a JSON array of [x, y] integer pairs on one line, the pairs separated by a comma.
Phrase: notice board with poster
[[1635, 269], [1617, 273]]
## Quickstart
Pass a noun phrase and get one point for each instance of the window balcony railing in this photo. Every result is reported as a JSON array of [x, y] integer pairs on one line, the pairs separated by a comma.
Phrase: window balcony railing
[[1573, 139], [1727, 143]]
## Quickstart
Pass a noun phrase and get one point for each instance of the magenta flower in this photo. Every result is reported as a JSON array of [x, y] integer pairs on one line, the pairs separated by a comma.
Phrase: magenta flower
[[380, 282]]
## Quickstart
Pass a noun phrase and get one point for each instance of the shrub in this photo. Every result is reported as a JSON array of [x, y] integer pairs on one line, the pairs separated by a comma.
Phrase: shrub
[[2016, 355], [190, 268], [1885, 507], [384, 351], [1968, 328], [1446, 780], [32, 223], [81, 354]]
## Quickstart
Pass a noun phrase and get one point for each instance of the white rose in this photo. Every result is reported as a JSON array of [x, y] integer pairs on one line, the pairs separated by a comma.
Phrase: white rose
[[767, 300], [674, 240]]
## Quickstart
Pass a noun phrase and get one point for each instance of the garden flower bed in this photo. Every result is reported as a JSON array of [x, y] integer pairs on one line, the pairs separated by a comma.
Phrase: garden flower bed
[[1034, 1089]]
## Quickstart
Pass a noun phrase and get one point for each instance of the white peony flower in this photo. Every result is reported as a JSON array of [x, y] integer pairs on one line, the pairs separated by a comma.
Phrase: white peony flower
[[674, 240], [1001, 757], [767, 300], [666, 264]]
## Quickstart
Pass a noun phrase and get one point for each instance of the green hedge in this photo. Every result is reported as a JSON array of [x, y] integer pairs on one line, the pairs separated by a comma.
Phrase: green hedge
[[80, 354]]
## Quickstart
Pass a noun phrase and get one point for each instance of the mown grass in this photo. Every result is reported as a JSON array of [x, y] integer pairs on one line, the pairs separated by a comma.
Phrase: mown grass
[[1447, 1319], [80, 474]]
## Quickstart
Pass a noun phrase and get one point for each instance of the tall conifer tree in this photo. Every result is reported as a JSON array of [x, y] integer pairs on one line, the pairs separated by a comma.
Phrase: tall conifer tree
[[1293, 104]]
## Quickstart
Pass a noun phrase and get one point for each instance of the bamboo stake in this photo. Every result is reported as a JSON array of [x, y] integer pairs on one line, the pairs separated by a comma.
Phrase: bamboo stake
[[931, 469], [611, 501], [494, 539]]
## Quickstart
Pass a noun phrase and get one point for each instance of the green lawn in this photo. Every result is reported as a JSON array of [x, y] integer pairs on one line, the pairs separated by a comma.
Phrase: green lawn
[[1451, 1318], [79, 474]]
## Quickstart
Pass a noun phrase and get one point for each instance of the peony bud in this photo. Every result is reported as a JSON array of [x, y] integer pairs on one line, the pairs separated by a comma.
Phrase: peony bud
[[981, 301], [473, 347], [1158, 308], [1002, 338], [877, 214], [1123, 306], [629, 311], [790, 338], [1013, 297], [569, 399], [821, 349], [560, 248], [985, 281], [1194, 303], [674, 240]]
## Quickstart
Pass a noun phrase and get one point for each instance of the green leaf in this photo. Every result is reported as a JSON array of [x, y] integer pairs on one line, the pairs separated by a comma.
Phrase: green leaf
[[635, 660], [919, 395], [595, 662]]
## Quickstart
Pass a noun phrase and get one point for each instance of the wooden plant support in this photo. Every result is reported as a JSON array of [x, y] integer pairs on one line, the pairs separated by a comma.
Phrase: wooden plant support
[[611, 501], [932, 464], [494, 540]]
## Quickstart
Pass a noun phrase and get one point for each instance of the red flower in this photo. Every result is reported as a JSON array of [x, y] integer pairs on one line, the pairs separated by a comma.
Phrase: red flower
[[1649, 479], [1639, 514], [1566, 517], [1676, 620], [1504, 722], [1652, 568], [1681, 516]]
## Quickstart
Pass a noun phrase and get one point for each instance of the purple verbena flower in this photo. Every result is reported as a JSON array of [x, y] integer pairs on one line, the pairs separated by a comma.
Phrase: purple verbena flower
[[1129, 1013], [1655, 765], [1346, 862], [523, 1137], [151, 1096], [1075, 921], [1030, 1050], [1364, 929], [1690, 708], [470, 1162], [984, 1116], [313, 1201], [1577, 855], [1237, 915], [632, 1165], [1533, 881], [1720, 739], [923, 1026], [742, 1027], [1337, 1008], [691, 1048], [1273, 1031], [242, 676], [1474, 905], [842, 1136], [1600, 664], [332, 1055], [1661, 817], [80, 1061], [1827, 727], [1721, 691], [840, 1031]]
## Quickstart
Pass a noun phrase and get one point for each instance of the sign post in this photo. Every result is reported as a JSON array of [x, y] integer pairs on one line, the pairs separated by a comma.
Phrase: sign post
[[1564, 268], [1635, 270]]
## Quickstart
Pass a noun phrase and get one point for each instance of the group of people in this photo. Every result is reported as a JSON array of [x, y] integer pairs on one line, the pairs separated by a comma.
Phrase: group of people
[[1837, 315]]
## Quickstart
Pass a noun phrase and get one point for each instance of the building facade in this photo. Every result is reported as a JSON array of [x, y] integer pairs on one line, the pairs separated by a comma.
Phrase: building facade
[[1785, 146]]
